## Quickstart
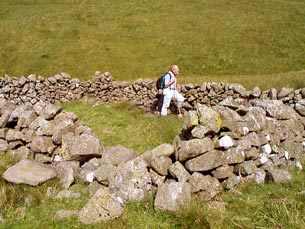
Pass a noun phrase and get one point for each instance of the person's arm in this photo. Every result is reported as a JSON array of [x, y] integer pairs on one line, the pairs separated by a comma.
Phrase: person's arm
[[170, 81]]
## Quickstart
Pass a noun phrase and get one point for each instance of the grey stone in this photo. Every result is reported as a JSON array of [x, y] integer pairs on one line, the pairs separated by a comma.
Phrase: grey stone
[[22, 153], [300, 107], [284, 91], [189, 149], [88, 169], [238, 88], [29, 172], [104, 171], [173, 196], [231, 182], [178, 171], [276, 109], [215, 158], [38, 122], [64, 214], [132, 181], [156, 178], [278, 175], [209, 117], [223, 172], [272, 94], [206, 187], [94, 187], [14, 135], [162, 150], [161, 165], [116, 155], [61, 128], [3, 145], [255, 118], [4, 118], [65, 173], [23, 115], [80, 147], [224, 142], [67, 194], [256, 92], [42, 158], [191, 120], [102, 207], [257, 178], [245, 168], [201, 131], [42, 144], [49, 111]]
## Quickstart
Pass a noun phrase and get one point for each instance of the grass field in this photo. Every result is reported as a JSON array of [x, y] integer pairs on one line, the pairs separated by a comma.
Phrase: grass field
[[243, 41]]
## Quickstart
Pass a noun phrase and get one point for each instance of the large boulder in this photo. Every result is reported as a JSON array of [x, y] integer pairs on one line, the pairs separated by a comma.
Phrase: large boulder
[[80, 147], [29, 172]]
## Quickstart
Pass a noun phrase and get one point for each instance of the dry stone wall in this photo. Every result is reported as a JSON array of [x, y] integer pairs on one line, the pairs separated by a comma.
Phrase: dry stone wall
[[229, 136], [142, 92]]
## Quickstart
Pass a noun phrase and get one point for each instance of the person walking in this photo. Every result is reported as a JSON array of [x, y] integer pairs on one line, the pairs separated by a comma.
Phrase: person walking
[[170, 92]]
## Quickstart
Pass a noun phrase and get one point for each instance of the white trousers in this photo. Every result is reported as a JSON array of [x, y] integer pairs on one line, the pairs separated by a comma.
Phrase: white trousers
[[168, 95]]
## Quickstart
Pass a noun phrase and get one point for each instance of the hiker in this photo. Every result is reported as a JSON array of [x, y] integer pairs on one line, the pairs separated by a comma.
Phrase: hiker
[[169, 90]]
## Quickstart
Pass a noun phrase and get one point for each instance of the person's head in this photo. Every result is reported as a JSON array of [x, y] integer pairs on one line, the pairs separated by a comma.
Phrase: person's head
[[175, 69]]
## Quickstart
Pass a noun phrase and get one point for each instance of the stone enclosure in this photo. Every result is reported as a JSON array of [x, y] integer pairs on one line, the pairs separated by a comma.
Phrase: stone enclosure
[[230, 135]]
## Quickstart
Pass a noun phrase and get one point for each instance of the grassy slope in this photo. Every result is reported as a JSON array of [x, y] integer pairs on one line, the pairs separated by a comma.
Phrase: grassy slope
[[234, 41]]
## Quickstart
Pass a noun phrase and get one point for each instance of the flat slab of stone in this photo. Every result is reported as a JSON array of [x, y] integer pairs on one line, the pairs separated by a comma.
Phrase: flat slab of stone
[[29, 172]]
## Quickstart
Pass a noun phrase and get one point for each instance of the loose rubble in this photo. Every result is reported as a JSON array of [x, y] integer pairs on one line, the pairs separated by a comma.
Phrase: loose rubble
[[229, 136]]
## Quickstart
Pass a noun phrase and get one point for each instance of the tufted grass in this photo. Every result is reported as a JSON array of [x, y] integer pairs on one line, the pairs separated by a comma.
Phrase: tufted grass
[[252, 42], [249, 206]]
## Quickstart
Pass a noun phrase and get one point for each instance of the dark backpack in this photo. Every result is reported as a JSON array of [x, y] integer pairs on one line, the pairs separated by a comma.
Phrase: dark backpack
[[161, 81]]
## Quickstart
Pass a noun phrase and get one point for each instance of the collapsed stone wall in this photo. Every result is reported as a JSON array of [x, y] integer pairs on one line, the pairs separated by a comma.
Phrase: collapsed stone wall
[[142, 92], [219, 147]]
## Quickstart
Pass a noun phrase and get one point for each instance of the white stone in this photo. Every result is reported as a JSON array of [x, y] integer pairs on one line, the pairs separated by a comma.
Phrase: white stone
[[90, 177], [298, 164], [263, 158], [268, 137], [266, 149], [226, 142], [286, 155], [245, 130]]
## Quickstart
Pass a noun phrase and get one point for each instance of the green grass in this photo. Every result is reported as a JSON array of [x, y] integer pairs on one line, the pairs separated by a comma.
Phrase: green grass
[[123, 124], [242, 41]]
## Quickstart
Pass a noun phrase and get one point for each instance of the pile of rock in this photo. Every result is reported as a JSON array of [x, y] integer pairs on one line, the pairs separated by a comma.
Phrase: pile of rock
[[142, 92], [219, 147]]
